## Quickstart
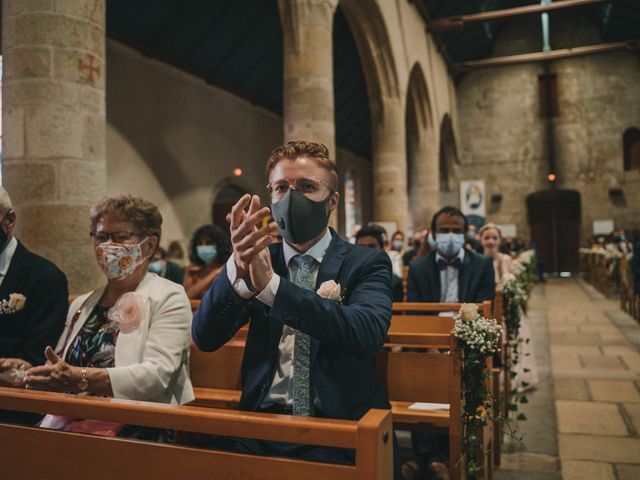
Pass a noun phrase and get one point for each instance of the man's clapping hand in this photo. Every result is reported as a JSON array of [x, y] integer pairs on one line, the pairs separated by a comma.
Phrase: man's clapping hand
[[249, 242]]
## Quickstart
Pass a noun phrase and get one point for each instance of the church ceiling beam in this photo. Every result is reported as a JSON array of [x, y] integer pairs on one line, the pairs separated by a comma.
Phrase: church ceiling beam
[[631, 45], [460, 21]]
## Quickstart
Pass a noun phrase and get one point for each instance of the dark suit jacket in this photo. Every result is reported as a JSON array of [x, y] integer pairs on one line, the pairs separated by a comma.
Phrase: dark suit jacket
[[26, 333], [344, 338], [476, 279]]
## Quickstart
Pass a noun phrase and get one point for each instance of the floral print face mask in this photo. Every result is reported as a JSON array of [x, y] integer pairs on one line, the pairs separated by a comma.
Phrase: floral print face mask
[[119, 260]]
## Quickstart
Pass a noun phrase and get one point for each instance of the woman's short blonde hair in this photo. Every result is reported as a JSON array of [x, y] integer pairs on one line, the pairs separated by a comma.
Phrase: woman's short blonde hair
[[142, 213], [489, 226]]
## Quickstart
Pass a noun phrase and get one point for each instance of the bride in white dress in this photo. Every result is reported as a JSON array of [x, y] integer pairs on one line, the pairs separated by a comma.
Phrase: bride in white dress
[[526, 372]]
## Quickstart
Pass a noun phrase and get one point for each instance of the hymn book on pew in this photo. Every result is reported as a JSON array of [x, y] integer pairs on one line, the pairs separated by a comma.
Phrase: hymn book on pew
[[432, 407]]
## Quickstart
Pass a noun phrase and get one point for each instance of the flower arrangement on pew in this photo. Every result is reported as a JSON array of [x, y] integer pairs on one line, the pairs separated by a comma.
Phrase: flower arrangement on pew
[[515, 297], [479, 339]]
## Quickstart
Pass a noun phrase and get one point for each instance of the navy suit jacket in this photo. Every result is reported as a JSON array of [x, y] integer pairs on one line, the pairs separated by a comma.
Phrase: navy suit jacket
[[344, 338], [26, 333], [476, 279]]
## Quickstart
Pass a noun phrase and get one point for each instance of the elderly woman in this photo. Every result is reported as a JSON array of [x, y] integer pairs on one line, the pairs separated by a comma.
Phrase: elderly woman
[[129, 339]]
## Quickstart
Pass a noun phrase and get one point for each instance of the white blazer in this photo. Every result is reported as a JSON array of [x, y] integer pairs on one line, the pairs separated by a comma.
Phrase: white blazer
[[152, 362]]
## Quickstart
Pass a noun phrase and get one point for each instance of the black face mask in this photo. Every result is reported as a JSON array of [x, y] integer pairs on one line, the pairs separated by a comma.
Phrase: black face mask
[[298, 218], [3, 234]]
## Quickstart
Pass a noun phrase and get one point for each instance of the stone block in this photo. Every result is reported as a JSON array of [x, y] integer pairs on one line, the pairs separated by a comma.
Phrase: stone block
[[576, 349], [78, 262], [633, 411], [80, 67], [94, 138], [571, 389], [581, 470], [16, 7], [53, 131], [39, 91], [92, 10], [565, 360], [599, 448], [27, 63], [54, 224], [12, 132], [590, 418], [30, 181], [600, 328], [59, 31], [613, 391], [622, 350], [628, 472], [530, 462], [81, 180], [601, 361], [8, 33]]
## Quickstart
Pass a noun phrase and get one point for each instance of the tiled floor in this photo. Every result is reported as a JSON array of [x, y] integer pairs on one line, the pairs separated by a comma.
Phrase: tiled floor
[[584, 418]]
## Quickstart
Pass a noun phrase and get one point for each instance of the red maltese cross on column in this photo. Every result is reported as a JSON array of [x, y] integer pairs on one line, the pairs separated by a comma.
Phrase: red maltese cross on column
[[90, 68]]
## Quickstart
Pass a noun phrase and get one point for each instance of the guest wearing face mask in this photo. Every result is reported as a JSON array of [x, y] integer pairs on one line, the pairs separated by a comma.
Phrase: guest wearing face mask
[[449, 274], [130, 338], [165, 268], [210, 249]]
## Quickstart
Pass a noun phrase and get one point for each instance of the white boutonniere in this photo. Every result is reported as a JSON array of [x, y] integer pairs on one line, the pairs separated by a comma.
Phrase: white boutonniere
[[14, 304], [331, 291], [128, 312]]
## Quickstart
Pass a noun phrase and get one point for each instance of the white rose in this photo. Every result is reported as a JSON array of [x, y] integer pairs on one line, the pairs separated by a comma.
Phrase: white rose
[[128, 312], [17, 301], [330, 290], [468, 312]]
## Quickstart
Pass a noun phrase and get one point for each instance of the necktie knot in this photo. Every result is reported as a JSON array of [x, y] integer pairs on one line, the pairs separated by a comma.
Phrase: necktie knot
[[443, 264]]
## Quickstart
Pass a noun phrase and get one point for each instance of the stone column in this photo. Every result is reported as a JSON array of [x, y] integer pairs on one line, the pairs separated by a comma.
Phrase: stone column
[[308, 71], [390, 201], [424, 196], [53, 119]]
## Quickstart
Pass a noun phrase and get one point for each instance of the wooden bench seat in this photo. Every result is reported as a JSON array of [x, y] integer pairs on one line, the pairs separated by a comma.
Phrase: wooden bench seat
[[29, 452]]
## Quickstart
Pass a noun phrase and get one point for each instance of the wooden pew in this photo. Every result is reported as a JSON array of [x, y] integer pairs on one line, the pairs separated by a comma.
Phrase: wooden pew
[[29, 452]]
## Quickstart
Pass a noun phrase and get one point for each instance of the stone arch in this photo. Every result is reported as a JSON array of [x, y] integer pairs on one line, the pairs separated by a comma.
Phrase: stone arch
[[374, 47], [224, 196], [387, 110], [422, 155]]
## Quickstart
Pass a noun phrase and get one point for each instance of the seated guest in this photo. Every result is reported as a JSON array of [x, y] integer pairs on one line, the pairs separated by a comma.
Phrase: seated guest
[[33, 306], [164, 268], [319, 307], [397, 242], [450, 274], [526, 371], [130, 338], [372, 238], [472, 242], [175, 254], [209, 250]]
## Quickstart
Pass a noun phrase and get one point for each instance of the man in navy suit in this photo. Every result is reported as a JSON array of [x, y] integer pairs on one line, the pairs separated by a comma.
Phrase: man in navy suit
[[305, 354], [449, 274], [26, 329]]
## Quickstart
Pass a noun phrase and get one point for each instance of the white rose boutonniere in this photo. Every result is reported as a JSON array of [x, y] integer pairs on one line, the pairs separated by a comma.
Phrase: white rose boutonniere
[[15, 303], [468, 312], [128, 312], [331, 291]]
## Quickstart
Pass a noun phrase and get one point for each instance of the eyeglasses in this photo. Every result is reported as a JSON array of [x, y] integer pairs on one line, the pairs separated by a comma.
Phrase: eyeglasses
[[116, 237], [306, 186]]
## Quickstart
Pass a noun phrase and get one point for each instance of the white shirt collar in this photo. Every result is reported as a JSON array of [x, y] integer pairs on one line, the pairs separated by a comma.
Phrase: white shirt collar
[[460, 255], [6, 255], [317, 250]]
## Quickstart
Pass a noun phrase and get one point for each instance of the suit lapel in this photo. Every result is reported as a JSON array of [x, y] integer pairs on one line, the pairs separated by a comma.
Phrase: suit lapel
[[16, 271], [280, 268], [434, 278], [329, 270]]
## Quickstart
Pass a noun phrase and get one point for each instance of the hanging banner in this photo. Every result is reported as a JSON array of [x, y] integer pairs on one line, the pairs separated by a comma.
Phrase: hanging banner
[[473, 200]]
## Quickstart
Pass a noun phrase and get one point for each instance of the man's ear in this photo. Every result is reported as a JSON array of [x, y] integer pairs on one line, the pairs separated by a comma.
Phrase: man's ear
[[333, 202]]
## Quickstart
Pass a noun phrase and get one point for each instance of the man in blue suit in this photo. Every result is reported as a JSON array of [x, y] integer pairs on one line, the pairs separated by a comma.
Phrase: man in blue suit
[[449, 274], [319, 307]]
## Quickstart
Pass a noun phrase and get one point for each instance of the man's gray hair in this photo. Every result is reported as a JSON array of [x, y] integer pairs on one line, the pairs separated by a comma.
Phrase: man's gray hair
[[5, 200]]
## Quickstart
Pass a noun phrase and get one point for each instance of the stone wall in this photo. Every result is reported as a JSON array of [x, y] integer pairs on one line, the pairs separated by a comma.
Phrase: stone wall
[[503, 140]]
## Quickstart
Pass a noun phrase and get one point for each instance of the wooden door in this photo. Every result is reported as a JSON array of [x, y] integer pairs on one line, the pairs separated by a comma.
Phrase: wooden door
[[554, 219]]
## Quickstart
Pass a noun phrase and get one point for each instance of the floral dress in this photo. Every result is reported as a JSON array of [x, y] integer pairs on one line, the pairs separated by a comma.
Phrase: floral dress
[[95, 344]]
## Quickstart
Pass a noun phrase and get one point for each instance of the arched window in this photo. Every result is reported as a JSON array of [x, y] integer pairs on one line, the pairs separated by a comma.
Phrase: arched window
[[631, 146], [448, 153]]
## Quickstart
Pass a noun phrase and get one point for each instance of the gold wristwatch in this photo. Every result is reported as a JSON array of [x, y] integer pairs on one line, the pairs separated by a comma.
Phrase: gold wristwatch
[[83, 384]]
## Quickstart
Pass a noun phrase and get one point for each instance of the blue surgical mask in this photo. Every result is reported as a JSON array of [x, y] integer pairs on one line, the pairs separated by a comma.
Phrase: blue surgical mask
[[206, 253], [397, 244], [449, 244], [431, 241], [156, 266]]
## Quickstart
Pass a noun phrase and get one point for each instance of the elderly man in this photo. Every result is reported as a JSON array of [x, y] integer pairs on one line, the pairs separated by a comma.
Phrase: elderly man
[[33, 305], [319, 307]]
